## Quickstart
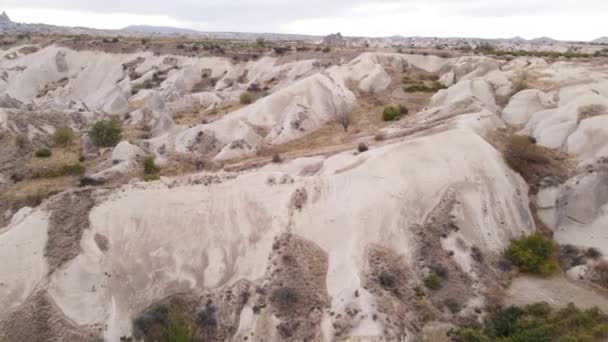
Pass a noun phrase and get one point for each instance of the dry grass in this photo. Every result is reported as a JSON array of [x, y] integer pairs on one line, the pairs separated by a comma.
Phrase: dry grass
[[538, 165], [590, 111]]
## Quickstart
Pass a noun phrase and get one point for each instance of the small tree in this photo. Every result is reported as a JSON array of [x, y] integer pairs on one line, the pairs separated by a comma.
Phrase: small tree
[[63, 136], [106, 133]]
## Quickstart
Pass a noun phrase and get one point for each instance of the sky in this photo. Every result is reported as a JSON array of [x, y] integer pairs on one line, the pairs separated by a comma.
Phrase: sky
[[559, 19]]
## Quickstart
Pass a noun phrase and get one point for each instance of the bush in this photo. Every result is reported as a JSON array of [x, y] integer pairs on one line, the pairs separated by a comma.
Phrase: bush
[[151, 170], [65, 170], [423, 88], [432, 281], [470, 335], [535, 163], [106, 133], [391, 113], [533, 254], [177, 330], [539, 322], [277, 159], [246, 98], [362, 147], [43, 153], [63, 136]]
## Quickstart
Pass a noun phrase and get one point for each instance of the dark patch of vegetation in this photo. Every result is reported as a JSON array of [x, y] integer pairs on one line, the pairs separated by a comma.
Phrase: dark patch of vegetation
[[277, 159], [177, 330], [539, 322], [535, 163], [43, 153], [453, 305], [151, 170], [422, 87], [76, 169], [63, 136], [284, 298], [159, 323], [600, 274], [362, 147], [387, 280], [432, 281], [246, 98], [476, 254], [21, 141], [533, 254], [106, 133], [326, 49], [392, 113]]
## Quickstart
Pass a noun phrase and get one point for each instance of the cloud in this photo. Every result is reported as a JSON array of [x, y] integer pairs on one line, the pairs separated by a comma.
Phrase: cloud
[[475, 18]]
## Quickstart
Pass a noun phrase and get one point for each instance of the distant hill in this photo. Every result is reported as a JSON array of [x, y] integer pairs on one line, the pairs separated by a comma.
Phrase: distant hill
[[543, 40], [4, 18], [163, 30], [601, 40]]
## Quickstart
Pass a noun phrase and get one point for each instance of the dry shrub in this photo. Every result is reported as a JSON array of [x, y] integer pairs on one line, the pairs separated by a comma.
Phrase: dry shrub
[[599, 274], [536, 164], [590, 111]]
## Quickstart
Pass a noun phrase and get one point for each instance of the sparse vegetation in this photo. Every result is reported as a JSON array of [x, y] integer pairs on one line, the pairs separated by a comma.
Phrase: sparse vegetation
[[519, 82], [539, 322], [177, 330], [599, 274], [63, 136], [422, 87], [533, 254], [345, 120], [246, 98], [21, 141], [392, 113], [106, 133], [76, 169], [535, 163], [43, 153], [590, 111], [151, 170], [432, 281]]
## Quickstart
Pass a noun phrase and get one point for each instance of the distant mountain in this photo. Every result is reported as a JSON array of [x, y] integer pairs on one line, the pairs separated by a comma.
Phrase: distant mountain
[[517, 40], [4, 18], [163, 30], [601, 40], [543, 40]]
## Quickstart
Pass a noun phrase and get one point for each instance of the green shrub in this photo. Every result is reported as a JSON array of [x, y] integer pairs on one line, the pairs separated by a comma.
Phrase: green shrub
[[149, 165], [246, 98], [177, 330], [533, 254], [470, 335], [150, 169], [106, 133], [539, 322], [391, 113], [43, 153], [423, 88], [65, 170], [63, 136], [432, 281]]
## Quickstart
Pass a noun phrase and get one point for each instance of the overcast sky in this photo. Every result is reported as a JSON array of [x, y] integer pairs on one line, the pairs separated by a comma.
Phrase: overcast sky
[[560, 19]]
